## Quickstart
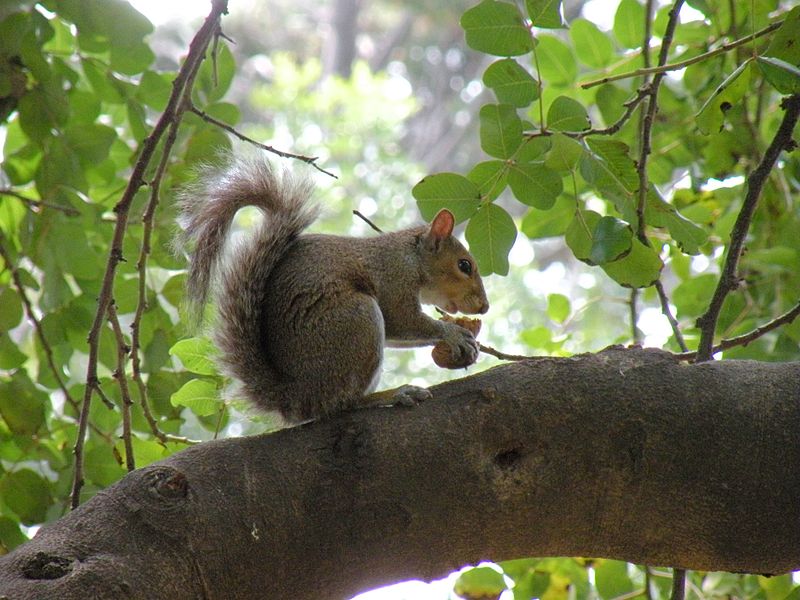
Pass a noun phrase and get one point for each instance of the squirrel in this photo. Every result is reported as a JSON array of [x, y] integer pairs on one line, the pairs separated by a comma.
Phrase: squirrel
[[303, 319]]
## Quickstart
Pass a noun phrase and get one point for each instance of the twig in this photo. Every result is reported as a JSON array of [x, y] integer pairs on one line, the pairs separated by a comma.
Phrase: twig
[[636, 333], [173, 111], [673, 322], [746, 338], [37, 325], [141, 266], [678, 584], [122, 381], [729, 279], [503, 356], [649, 118], [311, 160], [367, 221], [37, 204], [685, 63]]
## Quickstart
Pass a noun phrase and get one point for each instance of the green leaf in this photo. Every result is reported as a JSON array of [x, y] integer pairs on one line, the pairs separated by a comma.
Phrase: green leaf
[[533, 148], [611, 171], [22, 406], [196, 355], [784, 76], [491, 177], [132, 59], [558, 307], [592, 46], [10, 356], [687, 234], [491, 233], [557, 64], [545, 13], [611, 239], [783, 44], [640, 268], [480, 582], [447, 190], [101, 466], [11, 314], [712, 115], [540, 224], [566, 114], [200, 396], [511, 83], [154, 89], [564, 153], [534, 184], [501, 130], [27, 494], [612, 579], [580, 234], [91, 142], [10, 535], [496, 28], [629, 24]]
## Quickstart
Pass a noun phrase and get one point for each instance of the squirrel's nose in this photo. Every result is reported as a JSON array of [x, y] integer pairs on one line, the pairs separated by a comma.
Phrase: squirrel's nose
[[484, 308]]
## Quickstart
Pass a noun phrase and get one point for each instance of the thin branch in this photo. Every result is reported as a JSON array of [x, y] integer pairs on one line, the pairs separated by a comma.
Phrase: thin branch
[[729, 279], [636, 333], [367, 221], [122, 353], [37, 325], [503, 356], [38, 204], [173, 112], [667, 312], [678, 584], [311, 160], [685, 63], [751, 336], [141, 266]]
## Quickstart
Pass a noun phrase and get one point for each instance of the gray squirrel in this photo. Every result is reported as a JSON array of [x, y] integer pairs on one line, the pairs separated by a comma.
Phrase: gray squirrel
[[302, 320]]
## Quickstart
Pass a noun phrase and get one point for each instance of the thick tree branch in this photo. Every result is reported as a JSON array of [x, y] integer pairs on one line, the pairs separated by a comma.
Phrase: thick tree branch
[[628, 454], [729, 279]]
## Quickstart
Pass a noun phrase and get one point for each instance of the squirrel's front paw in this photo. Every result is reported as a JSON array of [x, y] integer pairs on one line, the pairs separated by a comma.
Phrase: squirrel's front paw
[[410, 395], [460, 349]]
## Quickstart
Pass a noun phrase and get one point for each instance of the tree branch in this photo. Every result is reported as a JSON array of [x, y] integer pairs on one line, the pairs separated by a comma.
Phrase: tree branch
[[751, 336], [572, 456], [729, 280], [38, 204], [173, 112], [311, 160], [685, 63]]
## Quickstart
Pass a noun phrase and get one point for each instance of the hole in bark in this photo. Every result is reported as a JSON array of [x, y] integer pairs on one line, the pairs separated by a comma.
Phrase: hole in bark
[[46, 566], [508, 458]]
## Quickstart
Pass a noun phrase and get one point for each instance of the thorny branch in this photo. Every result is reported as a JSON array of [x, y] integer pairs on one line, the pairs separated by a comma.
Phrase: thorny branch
[[125, 406], [729, 279], [173, 112]]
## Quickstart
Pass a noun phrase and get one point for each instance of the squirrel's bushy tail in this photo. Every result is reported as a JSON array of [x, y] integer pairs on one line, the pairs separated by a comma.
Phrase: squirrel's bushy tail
[[207, 211]]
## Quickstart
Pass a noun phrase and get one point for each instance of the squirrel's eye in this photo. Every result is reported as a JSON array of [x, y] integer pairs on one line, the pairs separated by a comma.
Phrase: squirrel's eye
[[465, 266]]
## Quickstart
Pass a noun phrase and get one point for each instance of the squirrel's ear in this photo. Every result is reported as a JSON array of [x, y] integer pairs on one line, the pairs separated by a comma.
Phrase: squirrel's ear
[[442, 225]]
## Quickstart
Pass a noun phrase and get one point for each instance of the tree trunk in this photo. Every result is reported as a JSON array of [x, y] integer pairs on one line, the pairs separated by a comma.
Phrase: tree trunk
[[625, 454]]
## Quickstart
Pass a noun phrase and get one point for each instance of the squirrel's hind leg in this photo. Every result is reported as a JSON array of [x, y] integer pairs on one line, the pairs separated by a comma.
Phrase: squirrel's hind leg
[[341, 359]]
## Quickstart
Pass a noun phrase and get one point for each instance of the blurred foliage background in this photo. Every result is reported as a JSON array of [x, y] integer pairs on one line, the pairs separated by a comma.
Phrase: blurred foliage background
[[387, 95]]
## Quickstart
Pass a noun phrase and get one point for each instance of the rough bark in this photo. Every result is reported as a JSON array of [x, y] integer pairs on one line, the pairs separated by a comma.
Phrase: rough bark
[[625, 454]]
